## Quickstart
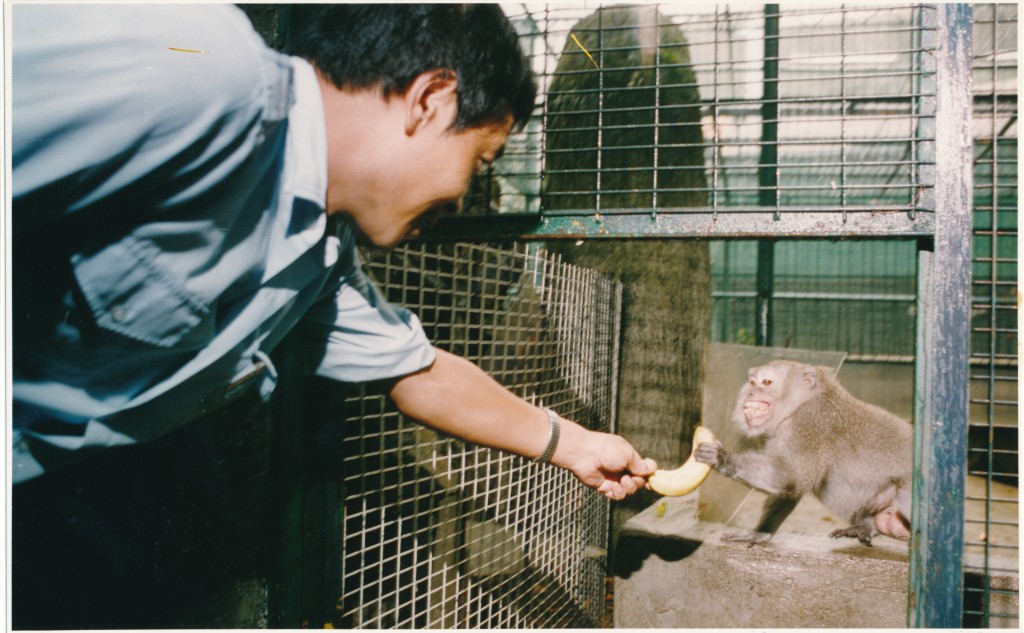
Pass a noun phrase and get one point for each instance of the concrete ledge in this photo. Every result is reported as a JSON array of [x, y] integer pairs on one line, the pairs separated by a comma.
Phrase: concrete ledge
[[674, 570]]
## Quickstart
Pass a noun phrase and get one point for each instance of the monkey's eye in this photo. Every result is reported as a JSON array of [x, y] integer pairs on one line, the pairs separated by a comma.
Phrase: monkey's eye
[[766, 382]]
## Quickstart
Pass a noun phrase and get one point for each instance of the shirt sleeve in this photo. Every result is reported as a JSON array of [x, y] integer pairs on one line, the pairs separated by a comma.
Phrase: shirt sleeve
[[363, 337]]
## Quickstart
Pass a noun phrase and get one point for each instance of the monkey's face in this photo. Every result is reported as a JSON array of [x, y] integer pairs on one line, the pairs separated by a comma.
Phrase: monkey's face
[[772, 393]]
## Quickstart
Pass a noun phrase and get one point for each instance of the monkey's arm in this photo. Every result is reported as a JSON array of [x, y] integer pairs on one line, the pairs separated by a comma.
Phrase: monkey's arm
[[776, 509], [755, 469]]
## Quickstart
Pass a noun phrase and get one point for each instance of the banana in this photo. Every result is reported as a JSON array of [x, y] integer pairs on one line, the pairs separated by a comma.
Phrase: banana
[[686, 478]]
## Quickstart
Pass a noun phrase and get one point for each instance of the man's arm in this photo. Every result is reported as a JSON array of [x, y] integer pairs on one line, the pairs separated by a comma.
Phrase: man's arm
[[455, 396]]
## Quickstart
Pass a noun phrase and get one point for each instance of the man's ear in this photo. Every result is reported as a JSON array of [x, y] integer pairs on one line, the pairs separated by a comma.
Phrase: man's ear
[[431, 95]]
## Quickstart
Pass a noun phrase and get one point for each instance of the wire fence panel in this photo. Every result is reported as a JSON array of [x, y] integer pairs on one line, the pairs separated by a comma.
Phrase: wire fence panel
[[992, 592], [858, 297], [808, 114], [441, 534]]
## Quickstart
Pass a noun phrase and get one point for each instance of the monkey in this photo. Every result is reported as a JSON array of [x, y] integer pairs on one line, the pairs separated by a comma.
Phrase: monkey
[[857, 458]]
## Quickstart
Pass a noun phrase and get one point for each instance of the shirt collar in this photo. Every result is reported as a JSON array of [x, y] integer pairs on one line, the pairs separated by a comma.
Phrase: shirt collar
[[301, 221], [307, 136]]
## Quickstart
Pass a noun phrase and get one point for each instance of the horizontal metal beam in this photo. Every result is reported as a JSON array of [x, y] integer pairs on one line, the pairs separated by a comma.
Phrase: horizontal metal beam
[[754, 222]]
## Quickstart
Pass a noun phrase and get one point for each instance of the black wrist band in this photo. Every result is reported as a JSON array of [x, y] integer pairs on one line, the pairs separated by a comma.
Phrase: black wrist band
[[556, 428]]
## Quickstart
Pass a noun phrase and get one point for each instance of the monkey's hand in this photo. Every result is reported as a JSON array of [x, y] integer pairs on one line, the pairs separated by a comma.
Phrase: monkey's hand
[[712, 454], [750, 538]]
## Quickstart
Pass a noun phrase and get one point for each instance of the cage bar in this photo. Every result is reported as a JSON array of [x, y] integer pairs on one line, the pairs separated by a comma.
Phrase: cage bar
[[937, 540]]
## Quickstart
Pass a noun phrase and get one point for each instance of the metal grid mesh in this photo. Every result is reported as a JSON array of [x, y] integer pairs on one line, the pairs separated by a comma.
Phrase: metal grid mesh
[[858, 297], [437, 533], [992, 592], [840, 117]]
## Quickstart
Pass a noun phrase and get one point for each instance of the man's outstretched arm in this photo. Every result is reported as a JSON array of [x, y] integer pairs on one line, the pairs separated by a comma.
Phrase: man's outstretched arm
[[455, 396]]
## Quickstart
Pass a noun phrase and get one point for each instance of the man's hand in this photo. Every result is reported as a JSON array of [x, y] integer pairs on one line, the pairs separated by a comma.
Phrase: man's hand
[[605, 462]]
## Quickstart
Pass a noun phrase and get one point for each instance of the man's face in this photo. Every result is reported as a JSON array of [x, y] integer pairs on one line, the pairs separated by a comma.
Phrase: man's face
[[431, 181], [395, 163]]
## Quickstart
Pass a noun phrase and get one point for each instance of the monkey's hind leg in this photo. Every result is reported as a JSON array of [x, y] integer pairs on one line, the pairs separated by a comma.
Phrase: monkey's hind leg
[[776, 509], [891, 522], [882, 514], [862, 532]]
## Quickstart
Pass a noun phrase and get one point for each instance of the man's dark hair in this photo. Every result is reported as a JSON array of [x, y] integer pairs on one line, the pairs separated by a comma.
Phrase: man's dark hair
[[389, 45]]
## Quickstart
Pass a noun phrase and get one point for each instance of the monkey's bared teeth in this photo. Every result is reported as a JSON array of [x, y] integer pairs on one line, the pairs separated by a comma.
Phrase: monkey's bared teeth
[[755, 409]]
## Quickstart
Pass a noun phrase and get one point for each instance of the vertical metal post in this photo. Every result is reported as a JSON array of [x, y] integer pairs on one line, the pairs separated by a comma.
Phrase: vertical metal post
[[768, 172], [941, 401], [616, 328], [765, 290]]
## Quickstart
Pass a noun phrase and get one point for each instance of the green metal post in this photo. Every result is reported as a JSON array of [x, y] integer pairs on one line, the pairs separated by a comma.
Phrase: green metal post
[[941, 401]]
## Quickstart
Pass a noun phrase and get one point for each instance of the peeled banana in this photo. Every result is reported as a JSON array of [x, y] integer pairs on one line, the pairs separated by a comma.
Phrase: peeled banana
[[686, 478]]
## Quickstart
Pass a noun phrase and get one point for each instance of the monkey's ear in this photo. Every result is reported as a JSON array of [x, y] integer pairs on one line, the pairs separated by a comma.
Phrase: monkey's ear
[[810, 377]]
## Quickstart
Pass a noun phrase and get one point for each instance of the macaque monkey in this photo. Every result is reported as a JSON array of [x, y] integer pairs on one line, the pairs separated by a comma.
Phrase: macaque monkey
[[855, 457]]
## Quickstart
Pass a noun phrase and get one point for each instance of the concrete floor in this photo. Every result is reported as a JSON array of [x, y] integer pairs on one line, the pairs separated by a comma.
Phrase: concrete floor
[[676, 571], [680, 573]]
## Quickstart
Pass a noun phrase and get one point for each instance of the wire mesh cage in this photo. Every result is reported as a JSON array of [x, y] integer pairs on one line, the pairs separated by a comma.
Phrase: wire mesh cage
[[795, 112], [992, 595], [440, 534]]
